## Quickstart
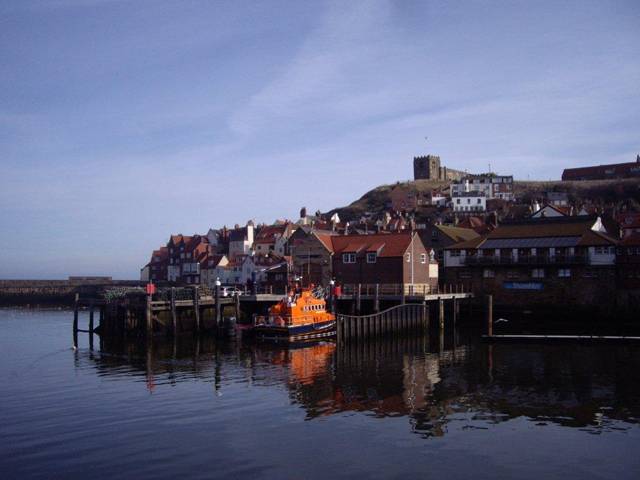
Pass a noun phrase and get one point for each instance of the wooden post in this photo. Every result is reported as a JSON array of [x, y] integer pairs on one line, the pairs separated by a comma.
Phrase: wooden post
[[376, 300], [402, 299], [148, 317], [91, 317], [339, 332], [441, 313], [75, 320], [425, 315], [91, 325], [101, 319], [174, 320], [196, 307], [489, 313], [359, 299]]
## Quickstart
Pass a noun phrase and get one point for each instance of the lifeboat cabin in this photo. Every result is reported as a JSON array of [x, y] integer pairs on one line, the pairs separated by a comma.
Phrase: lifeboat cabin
[[297, 317]]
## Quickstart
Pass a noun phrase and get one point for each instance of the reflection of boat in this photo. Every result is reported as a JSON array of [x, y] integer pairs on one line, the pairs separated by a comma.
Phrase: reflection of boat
[[297, 317]]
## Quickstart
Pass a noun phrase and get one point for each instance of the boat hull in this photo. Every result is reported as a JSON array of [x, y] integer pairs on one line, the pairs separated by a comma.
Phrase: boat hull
[[296, 332]]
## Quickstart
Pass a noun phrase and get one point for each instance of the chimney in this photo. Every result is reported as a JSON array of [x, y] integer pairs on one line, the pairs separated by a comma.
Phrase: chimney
[[637, 158]]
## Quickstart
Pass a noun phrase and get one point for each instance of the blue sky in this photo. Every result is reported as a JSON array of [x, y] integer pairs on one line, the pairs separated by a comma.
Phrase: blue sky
[[122, 122]]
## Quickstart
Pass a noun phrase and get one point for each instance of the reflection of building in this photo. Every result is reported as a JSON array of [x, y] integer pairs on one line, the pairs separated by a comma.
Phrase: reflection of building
[[435, 388]]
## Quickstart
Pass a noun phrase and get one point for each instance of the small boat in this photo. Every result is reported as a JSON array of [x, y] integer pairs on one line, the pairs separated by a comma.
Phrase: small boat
[[297, 317]]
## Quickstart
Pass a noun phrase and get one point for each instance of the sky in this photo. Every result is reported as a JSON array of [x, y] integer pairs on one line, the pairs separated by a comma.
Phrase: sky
[[122, 122]]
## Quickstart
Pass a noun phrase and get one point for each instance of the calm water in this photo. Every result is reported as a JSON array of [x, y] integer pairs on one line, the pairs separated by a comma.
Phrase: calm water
[[403, 409]]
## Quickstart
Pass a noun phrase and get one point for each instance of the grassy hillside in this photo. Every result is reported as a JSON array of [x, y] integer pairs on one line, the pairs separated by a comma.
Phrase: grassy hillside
[[601, 192]]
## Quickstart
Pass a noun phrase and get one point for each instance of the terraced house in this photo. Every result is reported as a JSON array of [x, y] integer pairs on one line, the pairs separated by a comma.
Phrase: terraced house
[[542, 261]]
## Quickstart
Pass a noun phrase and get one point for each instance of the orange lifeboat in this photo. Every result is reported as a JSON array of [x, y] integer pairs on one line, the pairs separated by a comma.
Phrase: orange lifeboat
[[296, 317]]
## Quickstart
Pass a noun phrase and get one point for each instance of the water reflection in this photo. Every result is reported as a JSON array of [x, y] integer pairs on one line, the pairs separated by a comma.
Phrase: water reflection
[[433, 382]]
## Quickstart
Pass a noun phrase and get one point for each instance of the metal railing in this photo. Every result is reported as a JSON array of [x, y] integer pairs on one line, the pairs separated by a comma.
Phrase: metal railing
[[526, 260], [398, 289]]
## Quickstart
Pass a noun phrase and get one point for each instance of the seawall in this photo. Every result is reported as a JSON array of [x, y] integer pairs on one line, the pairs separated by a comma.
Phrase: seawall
[[54, 292]]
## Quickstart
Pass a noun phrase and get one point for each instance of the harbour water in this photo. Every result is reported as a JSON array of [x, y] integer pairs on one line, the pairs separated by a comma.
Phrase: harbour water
[[399, 408]]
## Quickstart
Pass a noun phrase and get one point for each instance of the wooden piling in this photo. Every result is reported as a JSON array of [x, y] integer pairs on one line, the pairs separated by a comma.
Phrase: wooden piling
[[359, 299], [91, 318], [196, 307], [174, 319], [489, 314], [425, 315], [441, 313], [75, 320]]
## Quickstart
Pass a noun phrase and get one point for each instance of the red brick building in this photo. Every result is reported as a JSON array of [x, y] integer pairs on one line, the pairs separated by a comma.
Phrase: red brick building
[[603, 172], [393, 258]]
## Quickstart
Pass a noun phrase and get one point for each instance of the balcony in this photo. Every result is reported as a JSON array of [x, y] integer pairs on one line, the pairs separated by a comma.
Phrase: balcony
[[526, 260]]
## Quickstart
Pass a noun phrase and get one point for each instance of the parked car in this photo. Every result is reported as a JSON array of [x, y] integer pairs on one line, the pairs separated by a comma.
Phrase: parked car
[[230, 291]]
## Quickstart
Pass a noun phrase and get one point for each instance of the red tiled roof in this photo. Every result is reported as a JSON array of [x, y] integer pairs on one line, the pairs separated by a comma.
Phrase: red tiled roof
[[325, 239], [393, 245], [269, 232]]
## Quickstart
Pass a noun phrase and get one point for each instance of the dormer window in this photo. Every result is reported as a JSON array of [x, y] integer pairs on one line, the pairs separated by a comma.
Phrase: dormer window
[[372, 257], [348, 258]]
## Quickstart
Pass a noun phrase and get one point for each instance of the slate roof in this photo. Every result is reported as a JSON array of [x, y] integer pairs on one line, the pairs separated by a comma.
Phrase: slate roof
[[545, 232]]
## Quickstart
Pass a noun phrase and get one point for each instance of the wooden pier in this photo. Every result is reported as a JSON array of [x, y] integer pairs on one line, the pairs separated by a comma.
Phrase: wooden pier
[[174, 311]]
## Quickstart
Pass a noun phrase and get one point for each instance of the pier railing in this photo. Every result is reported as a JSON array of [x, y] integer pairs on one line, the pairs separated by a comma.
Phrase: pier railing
[[407, 290], [496, 260]]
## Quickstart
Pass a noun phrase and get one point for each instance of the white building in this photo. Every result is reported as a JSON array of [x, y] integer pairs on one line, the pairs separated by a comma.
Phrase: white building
[[469, 202], [493, 186], [241, 240]]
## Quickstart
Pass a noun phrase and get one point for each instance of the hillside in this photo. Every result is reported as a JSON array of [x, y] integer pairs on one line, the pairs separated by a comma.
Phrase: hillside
[[600, 192]]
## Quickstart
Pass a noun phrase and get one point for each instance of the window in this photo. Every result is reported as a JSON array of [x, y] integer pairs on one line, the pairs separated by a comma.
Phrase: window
[[488, 273], [408, 257], [434, 234], [423, 258], [454, 253], [371, 257], [348, 258], [479, 201], [602, 250], [537, 273], [564, 272], [511, 274], [458, 201], [464, 274]]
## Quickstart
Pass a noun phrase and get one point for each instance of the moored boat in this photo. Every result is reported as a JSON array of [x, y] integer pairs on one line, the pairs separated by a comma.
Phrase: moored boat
[[297, 317]]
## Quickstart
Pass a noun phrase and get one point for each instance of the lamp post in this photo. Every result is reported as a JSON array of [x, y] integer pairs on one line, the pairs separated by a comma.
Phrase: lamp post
[[332, 296]]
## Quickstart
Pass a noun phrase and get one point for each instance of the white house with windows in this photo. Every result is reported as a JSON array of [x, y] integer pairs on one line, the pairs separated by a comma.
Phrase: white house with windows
[[469, 202], [493, 186]]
